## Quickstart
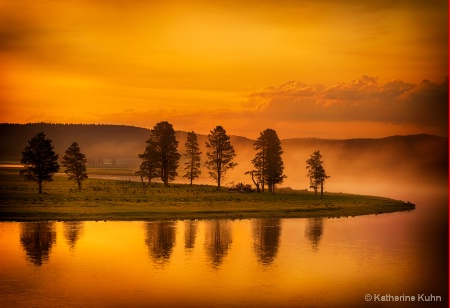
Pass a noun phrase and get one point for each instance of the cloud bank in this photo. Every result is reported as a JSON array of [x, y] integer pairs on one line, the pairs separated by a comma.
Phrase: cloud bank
[[396, 102], [356, 109]]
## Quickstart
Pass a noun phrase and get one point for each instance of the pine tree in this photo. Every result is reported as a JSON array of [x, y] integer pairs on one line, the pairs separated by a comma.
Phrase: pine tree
[[316, 172], [150, 164], [220, 154], [161, 156], [75, 163], [268, 163], [193, 155], [40, 160]]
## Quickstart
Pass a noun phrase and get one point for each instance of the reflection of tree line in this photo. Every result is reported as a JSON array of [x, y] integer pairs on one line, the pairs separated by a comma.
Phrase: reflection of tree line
[[37, 238], [160, 239], [314, 231], [218, 240], [266, 238]]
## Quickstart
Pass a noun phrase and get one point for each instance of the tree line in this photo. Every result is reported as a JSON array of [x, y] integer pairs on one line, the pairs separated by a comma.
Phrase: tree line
[[160, 159]]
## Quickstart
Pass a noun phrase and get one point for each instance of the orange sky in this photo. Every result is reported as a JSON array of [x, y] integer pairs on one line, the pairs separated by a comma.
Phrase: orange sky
[[330, 69]]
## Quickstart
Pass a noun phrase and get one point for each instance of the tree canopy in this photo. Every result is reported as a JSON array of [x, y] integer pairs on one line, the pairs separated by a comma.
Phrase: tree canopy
[[316, 172], [160, 157], [220, 154], [40, 160], [75, 163], [268, 163]]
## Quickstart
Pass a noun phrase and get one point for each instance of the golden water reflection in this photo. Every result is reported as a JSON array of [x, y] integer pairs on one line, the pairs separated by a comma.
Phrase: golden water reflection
[[224, 263], [37, 239], [72, 232], [266, 238], [160, 238], [190, 233], [218, 240], [314, 231]]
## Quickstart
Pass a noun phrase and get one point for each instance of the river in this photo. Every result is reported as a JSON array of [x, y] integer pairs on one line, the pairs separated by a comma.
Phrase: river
[[388, 260]]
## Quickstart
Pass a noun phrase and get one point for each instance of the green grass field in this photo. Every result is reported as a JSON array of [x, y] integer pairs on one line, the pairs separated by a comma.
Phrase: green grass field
[[125, 200]]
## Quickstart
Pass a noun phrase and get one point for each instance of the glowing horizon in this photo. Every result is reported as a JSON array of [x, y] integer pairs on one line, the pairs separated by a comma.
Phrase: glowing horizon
[[319, 69]]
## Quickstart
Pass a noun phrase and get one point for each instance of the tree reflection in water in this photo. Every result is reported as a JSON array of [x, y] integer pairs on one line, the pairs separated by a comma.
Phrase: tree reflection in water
[[190, 232], [160, 239], [314, 231], [217, 241], [72, 232], [266, 238], [37, 239]]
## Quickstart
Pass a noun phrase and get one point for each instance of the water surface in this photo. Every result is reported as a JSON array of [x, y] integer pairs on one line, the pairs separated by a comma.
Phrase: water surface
[[316, 262]]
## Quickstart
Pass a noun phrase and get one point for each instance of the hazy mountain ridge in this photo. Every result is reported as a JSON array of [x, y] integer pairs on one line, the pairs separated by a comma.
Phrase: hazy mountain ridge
[[393, 155]]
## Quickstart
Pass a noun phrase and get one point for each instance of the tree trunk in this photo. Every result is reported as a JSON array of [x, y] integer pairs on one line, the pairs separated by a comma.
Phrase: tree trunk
[[192, 169], [219, 175], [79, 184], [256, 183], [321, 189], [40, 186]]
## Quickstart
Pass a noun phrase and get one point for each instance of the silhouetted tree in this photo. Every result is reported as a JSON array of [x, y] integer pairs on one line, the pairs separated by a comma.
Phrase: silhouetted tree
[[150, 164], [256, 178], [268, 162], [316, 172], [193, 155], [220, 154], [40, 160], [75, 163], [161, 156]]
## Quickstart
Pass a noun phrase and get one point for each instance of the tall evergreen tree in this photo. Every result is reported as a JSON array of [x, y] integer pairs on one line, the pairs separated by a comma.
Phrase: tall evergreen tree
[[316, 172], [220, 154], [193, 155], [75, 163], [268, 163], [40, 160], [161, 156]]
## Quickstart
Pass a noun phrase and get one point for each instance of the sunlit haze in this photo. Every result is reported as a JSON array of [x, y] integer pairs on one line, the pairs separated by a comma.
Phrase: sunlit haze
[[327, 69]]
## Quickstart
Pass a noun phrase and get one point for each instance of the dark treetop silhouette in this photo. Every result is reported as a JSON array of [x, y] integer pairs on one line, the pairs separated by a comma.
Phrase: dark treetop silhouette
[[75, 163], [40, 160], [220, 154], [193, 155], [161, 156], [267, 162]]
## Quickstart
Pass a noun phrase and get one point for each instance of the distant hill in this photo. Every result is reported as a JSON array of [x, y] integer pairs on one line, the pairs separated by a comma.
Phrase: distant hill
[[353, 159], [96, 141]]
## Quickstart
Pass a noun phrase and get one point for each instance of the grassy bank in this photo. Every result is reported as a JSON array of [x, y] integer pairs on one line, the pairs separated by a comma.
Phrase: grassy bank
[[124, 200]]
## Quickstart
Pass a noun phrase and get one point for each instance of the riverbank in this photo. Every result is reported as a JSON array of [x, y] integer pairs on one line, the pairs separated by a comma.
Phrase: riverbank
[[126, 200]]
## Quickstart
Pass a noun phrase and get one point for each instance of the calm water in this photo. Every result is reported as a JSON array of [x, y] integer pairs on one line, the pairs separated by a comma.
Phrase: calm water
[[222, 263]]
